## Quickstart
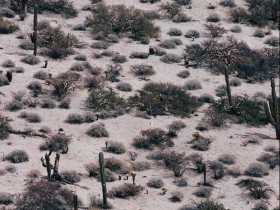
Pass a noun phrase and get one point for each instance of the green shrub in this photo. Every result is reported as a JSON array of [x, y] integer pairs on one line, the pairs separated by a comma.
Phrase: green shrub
[[124, 191], [116, 147], [6, 198], [17, 156], [110, 20], [164, 98], [98, 131], [170, 58], [256, 170], [70, 176], [6, 26]]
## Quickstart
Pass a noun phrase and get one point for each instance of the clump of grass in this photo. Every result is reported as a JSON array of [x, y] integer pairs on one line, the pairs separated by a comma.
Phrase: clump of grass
[[17, 156]]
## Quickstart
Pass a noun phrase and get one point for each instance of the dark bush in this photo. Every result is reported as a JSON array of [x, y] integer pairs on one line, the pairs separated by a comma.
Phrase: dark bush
[[215, 30], [183, 2], [26, 45], [98, 203], [92, 169], [236, 29], [140, 55], [65, 103], [235, 82], [41, 194], [170, 10], [100, 45], [31, 60], [125, 190], [75, 119], [234, 172], [192, 85], [259, 33], [113, 71], [35, 87], [48, 103], [256, 170], [14, 106], [205, 204], [6, 26], [57, 142], [119, 59], [4, 127], [217, 169], [213, 18], [30, 117], [6, 198], [203, 192], [181, 182], [176, 196], [77, 67], [192, 34], [175, 161], [216, 119], [206, 98], [104, 17], [227, 3], [141, 165], [256, 189], [42, 75], [184, 74], [272, 41], [116, 147], [175, 127], [155, 183], [163, 98], [227, 159], [8, 64], [6, 12], [3, 80], [170, 58], [142, 70], [98, 131], [18, 70], [168, 44], [174, 32], [181, 18], [238, 15], [260, 206], [17, 156], [201, 143], [126, 87], [70, 176]]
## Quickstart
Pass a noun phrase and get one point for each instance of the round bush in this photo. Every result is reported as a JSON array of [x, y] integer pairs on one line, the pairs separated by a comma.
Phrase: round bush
[[236, 29], [26, 45], [256, 170], [42, 75], [141, 166], [272, 41], [126, 87], [206, 98], [184, 74], [75, 119], [10, 169], [176, 196], [181, 182], [203, 192], [259, 33], [119, 59], [227, 159], [235, 82], [214, 18], [116, 147], [168, 44], [192, 85], [48, 103], [70, 176], [31, 60], [174, 32], [155, 183], [77, 67], [98, 131], [170, 58], [17, 156], [192, 34], [8, 64], [227, 3], [6, 198]]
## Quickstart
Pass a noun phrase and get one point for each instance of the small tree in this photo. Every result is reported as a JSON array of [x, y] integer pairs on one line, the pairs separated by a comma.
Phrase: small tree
[[176, 162], [64, 83]]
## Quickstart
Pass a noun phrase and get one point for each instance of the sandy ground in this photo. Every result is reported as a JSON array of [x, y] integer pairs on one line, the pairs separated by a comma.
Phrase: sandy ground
[[84, 149]]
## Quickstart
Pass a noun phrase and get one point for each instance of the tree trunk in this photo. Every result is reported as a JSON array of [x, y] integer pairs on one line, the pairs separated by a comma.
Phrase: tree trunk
[[277, 129], [228, 89]]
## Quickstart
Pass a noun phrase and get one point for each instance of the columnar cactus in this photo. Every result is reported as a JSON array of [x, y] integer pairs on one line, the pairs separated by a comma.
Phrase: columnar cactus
[[46, 163], [133, 174], [272, 110], [9, 75], [23, 9], [75, 201], [204, 174], [103, 178], [35, 28]]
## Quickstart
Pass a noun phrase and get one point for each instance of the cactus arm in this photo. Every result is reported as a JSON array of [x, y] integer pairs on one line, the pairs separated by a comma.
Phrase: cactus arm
[[269, 114], [35, 27]]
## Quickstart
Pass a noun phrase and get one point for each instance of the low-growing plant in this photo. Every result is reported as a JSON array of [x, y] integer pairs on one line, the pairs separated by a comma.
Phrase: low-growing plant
[[4, 127], [6, 198], [6, 26], [227, 3], [168, 44], [10, 169], [119, 58], [201, 143], [116, 147], [30, 117], [124, 191], [48, 103], [236, 29], [17, 156], [142, 70], [217, 169], [215, 30], [227, 159], [175, 127], [31, 60], [176, 196], [272, 41], [174, 32], [8, 64], [42, 75], [170, 58], [155, 183], [184, 74], [98, 203], [70, 176], [123, 86], [203, 192], [14, 106], [206, 98], [141, 166], [256, 170], [57, 142], [259, 33], [192, 85], [175, 161], [260, 206], [214, 18], [98, 131], [192, 34]]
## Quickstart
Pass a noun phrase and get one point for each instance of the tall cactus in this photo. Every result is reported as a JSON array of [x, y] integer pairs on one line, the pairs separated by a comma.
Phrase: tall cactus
[[35, 28], [204, 174], [103, 178], [23, 4], [272, 110], [75, 200]]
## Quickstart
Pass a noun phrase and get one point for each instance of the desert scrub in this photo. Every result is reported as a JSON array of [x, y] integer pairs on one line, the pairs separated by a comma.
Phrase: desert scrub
[[119, 59], [236, 29], [26, 45], [175, 127], [81, 57], [260, 206], [201, 143], [124, 191], [116, 165], [77, 67], [6, 198], [17, 156], [235, 82], [6, 12], [18, 69], [256, 170], [3, 80], [65, 103], [227, 159], [75, 119], [100, 45], [48, 103], [97, 203], [57, 142], [8, 64], [170, 58], [31, 60], [181, 182], [97, 131], [109, 176], [123, 86], [109, 19], [192, 34], [42, 75], [41, 193], [174, 32], [192, 85], [142, 70], [14, 105], [259, 33], [34, 174], [164, 98], [217, 169], [181, 18], [6, 26], [30, 117], [141, 165], [206, 98], [116, 147], [176, 196], [139, 55], [168, 44], [204, 204], [155, 183], [35, 87], [272, 41], [10, 169], [70, 176], [214, 18], [227, 3], [184, 74], [4, 127]]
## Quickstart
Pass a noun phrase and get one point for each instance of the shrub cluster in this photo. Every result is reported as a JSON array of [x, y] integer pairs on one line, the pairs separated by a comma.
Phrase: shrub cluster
[[6, 26]]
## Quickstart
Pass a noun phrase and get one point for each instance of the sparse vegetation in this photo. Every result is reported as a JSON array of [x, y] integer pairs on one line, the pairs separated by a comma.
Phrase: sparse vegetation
[[17, 156]]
